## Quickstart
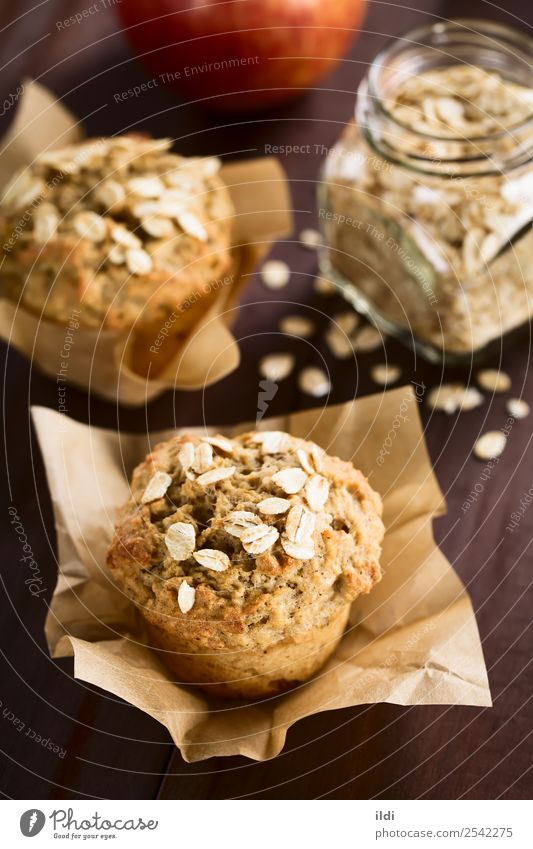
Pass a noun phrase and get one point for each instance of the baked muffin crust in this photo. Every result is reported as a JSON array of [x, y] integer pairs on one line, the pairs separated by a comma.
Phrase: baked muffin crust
[[240, 544], [120, 228]]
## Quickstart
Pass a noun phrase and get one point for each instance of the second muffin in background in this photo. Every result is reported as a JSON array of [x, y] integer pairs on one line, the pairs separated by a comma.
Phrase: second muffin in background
[[121, 229], [243, 557]]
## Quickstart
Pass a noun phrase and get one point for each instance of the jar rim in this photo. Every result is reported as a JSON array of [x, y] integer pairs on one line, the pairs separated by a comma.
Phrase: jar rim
[[415, 37]]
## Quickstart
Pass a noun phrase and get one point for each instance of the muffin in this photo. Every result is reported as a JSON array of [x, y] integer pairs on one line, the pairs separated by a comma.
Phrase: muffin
[[118, 228], [243, 557]]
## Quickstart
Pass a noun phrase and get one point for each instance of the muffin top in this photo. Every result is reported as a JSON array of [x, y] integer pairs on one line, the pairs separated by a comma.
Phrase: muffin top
[[117, 227], [245, 541]]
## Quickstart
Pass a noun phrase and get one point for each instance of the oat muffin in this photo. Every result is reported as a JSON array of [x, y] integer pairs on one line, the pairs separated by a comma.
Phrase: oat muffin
[[119, 228], [243, 557]]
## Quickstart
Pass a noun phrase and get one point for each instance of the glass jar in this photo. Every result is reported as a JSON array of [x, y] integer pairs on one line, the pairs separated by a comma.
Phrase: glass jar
[[426, 201]]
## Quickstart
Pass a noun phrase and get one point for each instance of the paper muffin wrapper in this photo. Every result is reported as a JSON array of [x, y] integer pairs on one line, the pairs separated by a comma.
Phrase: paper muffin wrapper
[[412, 641], [107, 362]]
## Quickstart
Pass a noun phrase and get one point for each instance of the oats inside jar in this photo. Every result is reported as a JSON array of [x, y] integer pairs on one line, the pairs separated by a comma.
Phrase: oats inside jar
[[427, 199]]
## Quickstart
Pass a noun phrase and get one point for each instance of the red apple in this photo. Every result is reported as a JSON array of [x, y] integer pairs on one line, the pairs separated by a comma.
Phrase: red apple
[[241, 54]]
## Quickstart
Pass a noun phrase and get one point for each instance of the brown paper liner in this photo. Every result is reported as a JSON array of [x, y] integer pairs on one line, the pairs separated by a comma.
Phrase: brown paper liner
[[412, 641], [120, 366]]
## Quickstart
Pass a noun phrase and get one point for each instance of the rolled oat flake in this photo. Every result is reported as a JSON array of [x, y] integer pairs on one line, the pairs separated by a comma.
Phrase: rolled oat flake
[[275, 274], [368, 339], [211, 558], [450, 397], [156, 487], [338, 342], [384, 374], [310, 238], [186, 596], [494, 380], [290, 480], [138, 261], [274, 506], [490, 445], [314, 381], [347, 321], [180, 540], [276, 366], [297, 325], [517, 408]]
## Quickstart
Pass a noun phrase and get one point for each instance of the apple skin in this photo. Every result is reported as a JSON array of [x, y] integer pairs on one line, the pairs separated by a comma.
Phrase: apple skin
[[275, 49]]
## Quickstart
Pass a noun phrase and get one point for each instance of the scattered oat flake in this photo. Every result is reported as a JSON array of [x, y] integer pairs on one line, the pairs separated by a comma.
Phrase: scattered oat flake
[[186, 597], [494, 380], [219, 442], [346, 321], [213, 559], [304, 551], [338, 343], [490, 445], [290, 480], [517, 408], [368, 339], [472, 398], [300, 524], [297, 325], [310, 238], [274, 506], [317, 492], [138, 261], [216, 475], [314, 381], [180, 540], [156, 487], [384, 374], [272, 441], [450, 397], [186, 455], [276, 366], [275, 274]]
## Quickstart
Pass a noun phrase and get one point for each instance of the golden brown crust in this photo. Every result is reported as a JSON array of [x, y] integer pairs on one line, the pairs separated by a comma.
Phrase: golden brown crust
[[250, 675]]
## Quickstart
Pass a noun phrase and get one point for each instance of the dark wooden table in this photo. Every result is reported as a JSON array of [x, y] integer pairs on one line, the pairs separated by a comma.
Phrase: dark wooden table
[[111, 750]]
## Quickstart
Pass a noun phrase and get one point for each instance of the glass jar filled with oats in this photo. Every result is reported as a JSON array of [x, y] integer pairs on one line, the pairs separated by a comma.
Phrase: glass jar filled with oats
[[426, 201]]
